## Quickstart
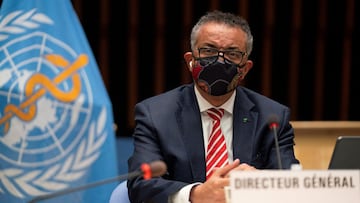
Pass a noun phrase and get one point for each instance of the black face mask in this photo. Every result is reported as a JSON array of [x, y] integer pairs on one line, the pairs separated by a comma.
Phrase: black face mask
[[216, 77]]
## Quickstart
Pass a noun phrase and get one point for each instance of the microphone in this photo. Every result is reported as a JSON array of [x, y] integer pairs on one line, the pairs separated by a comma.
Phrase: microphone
[[147, 171], [153, 169], [273, 122]]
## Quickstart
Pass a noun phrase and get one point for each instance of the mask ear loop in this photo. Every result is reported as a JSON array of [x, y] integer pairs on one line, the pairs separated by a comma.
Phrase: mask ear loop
[[190, 64], [241, 72]]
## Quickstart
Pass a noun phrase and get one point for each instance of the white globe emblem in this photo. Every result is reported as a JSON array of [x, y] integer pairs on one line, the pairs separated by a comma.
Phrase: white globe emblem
[[57, 126]]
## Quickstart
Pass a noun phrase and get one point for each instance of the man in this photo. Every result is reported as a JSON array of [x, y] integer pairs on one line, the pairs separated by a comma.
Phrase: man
[[175, 127]]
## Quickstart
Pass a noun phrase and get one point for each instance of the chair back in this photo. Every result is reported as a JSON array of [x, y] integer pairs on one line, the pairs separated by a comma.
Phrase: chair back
[[120, 194]]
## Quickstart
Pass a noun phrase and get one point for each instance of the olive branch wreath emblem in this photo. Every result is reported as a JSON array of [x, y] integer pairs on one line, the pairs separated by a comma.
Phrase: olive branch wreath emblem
[[18, 22], [60, 175]]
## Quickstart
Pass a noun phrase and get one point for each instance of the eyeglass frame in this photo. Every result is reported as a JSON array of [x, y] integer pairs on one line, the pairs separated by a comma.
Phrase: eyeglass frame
[[222, 53]]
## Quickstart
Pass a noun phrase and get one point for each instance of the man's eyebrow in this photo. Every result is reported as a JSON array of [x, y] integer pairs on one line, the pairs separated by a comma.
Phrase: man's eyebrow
[[232, 48], [210, 46]]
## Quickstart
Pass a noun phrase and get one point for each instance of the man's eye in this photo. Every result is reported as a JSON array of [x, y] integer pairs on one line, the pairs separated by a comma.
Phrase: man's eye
[[233, 53], [210, 51]]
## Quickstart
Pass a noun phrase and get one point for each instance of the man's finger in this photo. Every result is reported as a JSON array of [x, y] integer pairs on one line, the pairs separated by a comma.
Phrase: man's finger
[[226, 169]]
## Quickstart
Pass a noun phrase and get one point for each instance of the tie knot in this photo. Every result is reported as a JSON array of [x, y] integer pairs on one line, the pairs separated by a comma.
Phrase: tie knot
[[215, 114]]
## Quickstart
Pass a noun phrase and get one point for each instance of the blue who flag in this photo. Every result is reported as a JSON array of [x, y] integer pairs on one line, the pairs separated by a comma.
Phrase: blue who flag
[[56, 122]]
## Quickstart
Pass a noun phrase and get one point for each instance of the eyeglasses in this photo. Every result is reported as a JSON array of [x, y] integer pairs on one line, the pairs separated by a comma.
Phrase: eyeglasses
[[234, 56]]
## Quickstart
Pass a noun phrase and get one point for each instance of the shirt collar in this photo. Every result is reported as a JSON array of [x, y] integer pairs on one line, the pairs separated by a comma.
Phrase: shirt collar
[[205, 105]]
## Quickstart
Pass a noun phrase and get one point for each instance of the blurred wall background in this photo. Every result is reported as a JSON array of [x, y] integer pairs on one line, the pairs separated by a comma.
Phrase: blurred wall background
[[306, 53]]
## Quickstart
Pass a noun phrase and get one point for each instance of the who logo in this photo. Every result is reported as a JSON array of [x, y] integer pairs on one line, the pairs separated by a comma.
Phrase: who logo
[[52, 127]]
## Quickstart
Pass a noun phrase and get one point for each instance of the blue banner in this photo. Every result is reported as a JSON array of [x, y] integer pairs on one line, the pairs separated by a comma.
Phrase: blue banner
[[56, 122]]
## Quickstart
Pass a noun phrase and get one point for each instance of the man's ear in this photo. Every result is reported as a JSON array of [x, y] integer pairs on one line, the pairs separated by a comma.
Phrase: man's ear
[[246, 69], [189, 60]]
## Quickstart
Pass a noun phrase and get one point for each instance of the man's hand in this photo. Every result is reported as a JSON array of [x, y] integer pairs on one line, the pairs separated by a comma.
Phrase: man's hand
[[245, 167], [213, 189]]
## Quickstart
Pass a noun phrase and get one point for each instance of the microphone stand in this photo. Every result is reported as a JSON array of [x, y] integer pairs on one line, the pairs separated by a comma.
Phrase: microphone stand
[[87, 186], [277, 148], [273, 122]]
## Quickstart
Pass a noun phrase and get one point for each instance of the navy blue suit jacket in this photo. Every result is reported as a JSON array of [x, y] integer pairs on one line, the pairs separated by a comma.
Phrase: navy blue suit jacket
[[169, 128]]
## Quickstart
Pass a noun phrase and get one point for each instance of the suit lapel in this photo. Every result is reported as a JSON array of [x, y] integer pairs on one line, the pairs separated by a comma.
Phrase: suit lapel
[[244, 127], [189, 121]]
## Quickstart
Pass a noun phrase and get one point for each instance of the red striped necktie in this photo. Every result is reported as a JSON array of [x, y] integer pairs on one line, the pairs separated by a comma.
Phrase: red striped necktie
[[217, 155]]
